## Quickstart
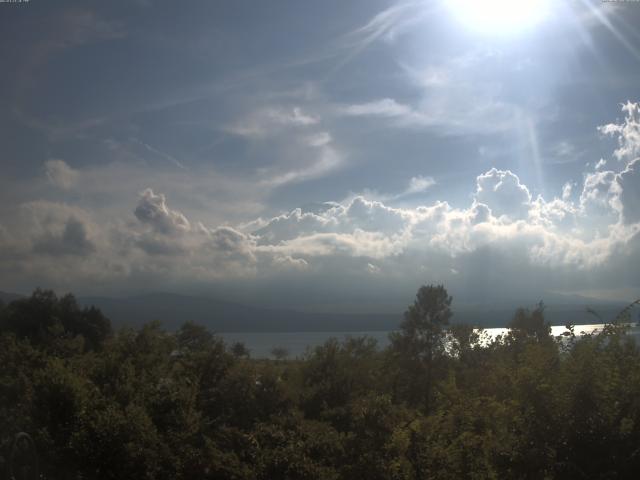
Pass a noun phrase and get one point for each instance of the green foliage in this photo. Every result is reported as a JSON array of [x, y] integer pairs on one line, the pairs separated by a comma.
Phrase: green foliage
[[57, 323], [421, 343], [240, 350], [527, 324], [421, 333], [279, 353], [337, 373], [440, 403]]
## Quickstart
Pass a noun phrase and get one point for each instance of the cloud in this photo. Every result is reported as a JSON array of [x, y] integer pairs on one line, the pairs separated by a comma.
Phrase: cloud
[[152, 210], [269, 121], [357, 239], [398, 114], [160, 245], [231, 243], [373, 216], [419, 184], [503, 193], [319, 139], [385, 107], [73, 240], [357, 214], [457, 110], [451, 97], [415, 185], [600, 195], [629, 180], [60, 174], [564, 149], [456, 95], [324, 158], [501, 237], [627, 133], [303, 148], [320, 246], [52, 229], [155, 152], [553, 241], [385, 25]]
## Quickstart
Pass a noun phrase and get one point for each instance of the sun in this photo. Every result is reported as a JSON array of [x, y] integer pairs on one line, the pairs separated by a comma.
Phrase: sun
[[499, 16]]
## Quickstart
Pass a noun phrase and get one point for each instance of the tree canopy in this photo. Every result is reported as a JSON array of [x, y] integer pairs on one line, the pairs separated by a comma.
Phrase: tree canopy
[[437, 403]]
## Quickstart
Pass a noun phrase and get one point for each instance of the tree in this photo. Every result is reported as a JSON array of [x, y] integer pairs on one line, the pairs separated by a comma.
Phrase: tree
[[526, 324], [194, 338], [279, 353], [240, 350], [422, 338], [45, 319], [88, 322]]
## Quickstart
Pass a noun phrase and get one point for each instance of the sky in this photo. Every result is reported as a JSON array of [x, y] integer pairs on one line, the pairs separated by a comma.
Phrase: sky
[[321, 155]]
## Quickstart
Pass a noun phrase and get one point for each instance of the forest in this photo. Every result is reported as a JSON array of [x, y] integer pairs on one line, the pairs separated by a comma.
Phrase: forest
[[443, 401]]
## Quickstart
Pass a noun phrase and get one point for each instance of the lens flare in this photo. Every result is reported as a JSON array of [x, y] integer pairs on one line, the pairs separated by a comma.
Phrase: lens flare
[[499, 16]]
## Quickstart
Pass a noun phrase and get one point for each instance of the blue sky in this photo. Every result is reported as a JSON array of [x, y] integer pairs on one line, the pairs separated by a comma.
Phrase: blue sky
[[321, 154]]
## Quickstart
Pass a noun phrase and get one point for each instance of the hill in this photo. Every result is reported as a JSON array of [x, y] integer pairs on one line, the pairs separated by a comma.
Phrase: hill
[[173, 310], [6, 297]]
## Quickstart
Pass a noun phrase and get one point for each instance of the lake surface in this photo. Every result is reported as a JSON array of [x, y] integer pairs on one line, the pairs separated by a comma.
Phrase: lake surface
[[260, 344]]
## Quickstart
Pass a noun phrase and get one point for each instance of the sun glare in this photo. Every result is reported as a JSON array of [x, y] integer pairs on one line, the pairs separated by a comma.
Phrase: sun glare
[[499, 16]]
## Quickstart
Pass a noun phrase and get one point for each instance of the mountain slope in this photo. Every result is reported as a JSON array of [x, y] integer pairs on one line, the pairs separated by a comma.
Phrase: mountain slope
[[6, 297], [173, 310]]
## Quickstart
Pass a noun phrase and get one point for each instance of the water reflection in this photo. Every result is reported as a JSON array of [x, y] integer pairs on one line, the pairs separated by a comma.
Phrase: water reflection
[[260, 344]]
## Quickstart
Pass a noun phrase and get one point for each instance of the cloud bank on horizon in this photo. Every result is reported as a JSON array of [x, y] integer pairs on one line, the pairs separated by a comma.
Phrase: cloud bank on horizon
[[350, 166]]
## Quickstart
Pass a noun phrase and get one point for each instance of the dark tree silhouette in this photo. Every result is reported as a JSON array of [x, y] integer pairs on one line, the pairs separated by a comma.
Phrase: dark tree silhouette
[[43, 316], [240, 350], [422, 335], [279, 353], [193, 337], [526, 324]]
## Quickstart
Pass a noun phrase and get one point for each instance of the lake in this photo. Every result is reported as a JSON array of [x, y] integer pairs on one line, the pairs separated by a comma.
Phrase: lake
[[296, 343]]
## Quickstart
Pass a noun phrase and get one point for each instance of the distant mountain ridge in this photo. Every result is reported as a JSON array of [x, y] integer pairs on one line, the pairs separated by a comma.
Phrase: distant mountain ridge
[[221, 316], [172, 310], [6, 297]]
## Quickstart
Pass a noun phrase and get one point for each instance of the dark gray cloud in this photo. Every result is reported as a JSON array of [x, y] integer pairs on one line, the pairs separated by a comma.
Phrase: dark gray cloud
[[73, 240], [160, 245], [231, 242], [60, 174]]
